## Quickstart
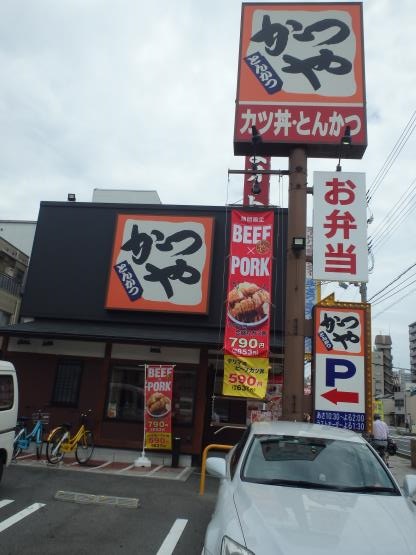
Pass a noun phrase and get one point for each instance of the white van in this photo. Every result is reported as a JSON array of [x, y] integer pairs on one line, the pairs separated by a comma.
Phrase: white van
[[9, 398]]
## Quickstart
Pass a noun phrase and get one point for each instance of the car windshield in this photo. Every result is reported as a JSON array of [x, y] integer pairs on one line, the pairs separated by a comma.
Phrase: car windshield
[[318, 463]]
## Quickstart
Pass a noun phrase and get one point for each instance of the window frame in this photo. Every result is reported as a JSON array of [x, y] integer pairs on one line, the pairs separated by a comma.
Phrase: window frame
[[6, 380], [124, 365], [76, 388]]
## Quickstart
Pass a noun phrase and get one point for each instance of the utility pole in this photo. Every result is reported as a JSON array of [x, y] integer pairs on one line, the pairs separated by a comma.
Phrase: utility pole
[[363, 291], [293, 375]]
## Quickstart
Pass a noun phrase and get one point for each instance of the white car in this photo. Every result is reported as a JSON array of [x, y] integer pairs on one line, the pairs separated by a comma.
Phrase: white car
[[293, 488]]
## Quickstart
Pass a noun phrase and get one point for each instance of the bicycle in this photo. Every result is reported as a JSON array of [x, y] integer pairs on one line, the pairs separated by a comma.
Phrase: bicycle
[[61, 441], [23, 438]]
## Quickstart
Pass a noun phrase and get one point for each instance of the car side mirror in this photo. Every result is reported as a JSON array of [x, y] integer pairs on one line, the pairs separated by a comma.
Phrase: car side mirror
[[409, 485], [216, 466]]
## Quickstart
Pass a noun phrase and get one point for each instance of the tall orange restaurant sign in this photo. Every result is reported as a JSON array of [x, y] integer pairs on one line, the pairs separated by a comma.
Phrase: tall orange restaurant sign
[[301, 78], [247, 328]]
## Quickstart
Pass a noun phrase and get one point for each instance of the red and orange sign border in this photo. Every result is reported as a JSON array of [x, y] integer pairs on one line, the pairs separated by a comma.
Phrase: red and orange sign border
[[365, 352], [250, 94], [116, 295]]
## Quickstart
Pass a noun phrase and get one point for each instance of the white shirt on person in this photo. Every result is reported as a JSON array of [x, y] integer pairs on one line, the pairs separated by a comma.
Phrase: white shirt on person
[[380, 430]]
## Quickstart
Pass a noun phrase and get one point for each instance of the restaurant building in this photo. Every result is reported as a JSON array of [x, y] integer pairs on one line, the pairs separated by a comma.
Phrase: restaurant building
[[89, 325]]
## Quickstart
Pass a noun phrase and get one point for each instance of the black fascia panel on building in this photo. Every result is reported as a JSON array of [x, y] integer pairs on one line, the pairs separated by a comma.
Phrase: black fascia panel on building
[[71, 260]]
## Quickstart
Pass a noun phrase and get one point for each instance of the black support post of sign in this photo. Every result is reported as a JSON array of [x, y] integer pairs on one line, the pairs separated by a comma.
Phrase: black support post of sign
[[176, 449]]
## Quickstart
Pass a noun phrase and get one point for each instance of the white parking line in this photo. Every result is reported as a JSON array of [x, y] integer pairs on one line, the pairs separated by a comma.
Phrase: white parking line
[[125, 469], [172, 538], [4, 502], [20, 515], [155, 470], [186, 470], [101, 465]]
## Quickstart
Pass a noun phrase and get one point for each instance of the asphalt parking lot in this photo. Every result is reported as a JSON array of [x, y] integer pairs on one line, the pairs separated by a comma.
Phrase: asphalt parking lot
[[64, 510]]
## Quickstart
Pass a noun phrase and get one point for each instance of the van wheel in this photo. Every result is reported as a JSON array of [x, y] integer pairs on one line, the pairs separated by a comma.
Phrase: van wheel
[[1, 468]]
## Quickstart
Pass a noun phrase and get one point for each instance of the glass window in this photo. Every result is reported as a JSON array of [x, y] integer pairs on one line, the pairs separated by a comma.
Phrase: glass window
[[227, 409], [4, 318], [126, 394], [67, 383], [6, 392], [184, 384], [238, 449], [320, 463]]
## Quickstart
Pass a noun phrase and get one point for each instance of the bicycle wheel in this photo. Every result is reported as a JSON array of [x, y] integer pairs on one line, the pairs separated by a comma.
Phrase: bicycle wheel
[[39, 450], [16, 451], [54, 453], [85, 447]]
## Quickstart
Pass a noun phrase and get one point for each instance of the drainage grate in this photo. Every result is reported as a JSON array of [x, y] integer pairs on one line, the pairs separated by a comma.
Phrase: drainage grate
[[91, 499]]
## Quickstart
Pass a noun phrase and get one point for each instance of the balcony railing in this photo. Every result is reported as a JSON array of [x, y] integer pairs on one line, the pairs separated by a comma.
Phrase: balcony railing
[[10, 285]]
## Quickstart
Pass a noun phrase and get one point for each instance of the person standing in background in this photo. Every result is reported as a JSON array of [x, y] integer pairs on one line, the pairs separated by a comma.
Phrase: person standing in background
[[380, 435]]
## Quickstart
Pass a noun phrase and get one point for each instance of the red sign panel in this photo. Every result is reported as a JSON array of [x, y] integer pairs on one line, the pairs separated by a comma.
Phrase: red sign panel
[[251, 197], [158, 406], [248, 304], [301, 79]]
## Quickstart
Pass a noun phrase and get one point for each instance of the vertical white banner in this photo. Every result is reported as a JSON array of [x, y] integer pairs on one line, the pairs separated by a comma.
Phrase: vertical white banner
[[340, 250]]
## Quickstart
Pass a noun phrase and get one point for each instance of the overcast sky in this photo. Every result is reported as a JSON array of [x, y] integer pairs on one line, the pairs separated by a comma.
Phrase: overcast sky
[[140, 95]]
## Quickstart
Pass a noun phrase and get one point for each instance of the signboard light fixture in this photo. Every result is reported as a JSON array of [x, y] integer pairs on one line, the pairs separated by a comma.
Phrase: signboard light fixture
[[298, 243], [345, 141]]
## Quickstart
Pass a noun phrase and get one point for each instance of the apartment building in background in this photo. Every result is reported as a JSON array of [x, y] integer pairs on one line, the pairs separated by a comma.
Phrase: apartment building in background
[[13, 268], [382, 362], [412, 347]]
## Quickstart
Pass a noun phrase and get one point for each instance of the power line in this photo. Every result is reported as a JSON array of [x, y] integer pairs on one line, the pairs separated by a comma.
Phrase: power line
[[373, 317], [392, 281], [392, 220], [391, 158], [380, 227], [390, 293]]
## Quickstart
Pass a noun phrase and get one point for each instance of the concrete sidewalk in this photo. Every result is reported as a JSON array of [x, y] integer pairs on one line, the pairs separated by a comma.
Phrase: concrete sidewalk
[[129, 456], [116, 461], [400, 466]]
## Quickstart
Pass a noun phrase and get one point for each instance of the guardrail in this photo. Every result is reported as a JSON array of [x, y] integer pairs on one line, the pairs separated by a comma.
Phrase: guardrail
[[403, 445], [218, 447]]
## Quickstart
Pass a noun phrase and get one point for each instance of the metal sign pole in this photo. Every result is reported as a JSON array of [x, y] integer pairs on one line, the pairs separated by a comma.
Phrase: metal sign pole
[[142, 460]]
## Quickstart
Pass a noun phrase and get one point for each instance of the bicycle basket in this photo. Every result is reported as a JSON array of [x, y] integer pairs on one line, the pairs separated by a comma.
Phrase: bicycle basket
[[86, 419], [44, 416]]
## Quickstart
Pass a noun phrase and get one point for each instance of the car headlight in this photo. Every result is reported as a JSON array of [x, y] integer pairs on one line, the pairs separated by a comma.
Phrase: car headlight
[[230, 547]]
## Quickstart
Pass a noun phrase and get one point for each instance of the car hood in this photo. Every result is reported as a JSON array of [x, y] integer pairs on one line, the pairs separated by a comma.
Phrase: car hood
[[296, 521]]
